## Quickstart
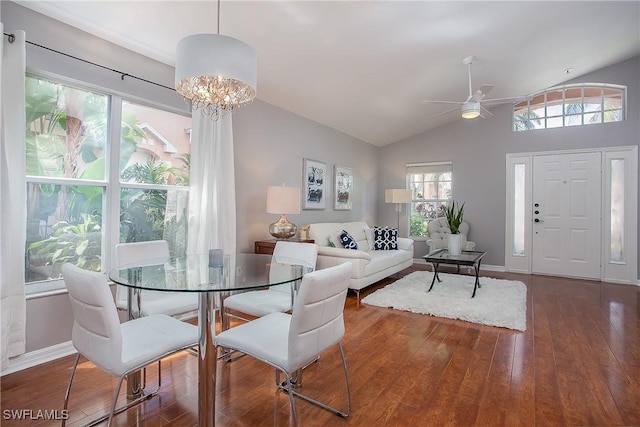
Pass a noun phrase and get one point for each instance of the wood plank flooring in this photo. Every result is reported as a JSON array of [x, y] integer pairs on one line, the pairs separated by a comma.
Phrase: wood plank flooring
[[578, 364]]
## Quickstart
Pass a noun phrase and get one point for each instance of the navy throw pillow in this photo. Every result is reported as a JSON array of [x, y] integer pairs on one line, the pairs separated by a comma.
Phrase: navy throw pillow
[[385, 238], [348, 241]]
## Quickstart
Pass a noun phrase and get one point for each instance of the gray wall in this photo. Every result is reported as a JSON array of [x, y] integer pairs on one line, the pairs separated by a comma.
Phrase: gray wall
[[478, 151], [270, 144]]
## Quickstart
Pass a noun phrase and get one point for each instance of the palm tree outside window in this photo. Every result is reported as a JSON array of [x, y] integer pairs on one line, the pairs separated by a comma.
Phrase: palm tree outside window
[[71, 184]]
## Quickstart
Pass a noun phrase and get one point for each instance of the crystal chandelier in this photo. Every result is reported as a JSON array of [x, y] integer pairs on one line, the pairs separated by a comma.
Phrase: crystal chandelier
[[218, 74]]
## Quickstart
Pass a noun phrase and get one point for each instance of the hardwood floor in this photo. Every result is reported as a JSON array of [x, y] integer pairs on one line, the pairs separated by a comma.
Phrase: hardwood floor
[[578, 364]]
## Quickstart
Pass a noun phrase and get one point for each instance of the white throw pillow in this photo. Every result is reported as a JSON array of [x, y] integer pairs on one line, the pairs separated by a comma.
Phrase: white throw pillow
[[334, 239], [368, 232]]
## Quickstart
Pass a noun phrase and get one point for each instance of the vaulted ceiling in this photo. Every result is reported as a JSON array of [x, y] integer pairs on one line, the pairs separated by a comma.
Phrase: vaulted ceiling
[[362, 67]]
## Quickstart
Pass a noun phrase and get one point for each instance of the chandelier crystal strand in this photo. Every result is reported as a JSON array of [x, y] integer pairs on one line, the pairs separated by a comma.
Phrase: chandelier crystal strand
[[215, 96]]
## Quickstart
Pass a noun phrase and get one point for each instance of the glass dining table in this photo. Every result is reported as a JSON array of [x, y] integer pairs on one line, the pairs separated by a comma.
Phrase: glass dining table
[[212, 276]]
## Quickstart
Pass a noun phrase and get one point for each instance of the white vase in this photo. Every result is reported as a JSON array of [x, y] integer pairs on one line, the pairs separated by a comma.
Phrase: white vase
[[454, 244]]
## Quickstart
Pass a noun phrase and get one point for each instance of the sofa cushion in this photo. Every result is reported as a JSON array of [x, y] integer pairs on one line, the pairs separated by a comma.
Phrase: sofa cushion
[[348, 241], [368, 232], [356, 229], [320, 232], [385, 238], [325, 232], [381, 260]]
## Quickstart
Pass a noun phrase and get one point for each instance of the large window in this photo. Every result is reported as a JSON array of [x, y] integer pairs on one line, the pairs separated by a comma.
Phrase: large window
[[86, 186], [571, 105], [430, 185]]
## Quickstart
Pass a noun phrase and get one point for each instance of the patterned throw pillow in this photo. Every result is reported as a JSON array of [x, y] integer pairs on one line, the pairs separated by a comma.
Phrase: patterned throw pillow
[[385, 238], [348, 241]]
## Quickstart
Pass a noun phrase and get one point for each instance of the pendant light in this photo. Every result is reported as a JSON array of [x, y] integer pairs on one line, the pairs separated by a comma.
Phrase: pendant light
[[218, 74]]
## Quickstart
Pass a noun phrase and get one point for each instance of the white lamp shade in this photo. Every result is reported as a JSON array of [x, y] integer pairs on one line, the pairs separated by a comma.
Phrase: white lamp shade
[[397, 196], [216, 55], [283, 200]]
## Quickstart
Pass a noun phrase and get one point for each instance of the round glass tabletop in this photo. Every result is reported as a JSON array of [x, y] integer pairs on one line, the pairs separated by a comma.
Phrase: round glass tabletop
[[206, 273]]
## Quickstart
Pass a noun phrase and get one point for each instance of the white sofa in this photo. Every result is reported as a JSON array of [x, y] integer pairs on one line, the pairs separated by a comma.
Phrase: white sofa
[[369, 265]]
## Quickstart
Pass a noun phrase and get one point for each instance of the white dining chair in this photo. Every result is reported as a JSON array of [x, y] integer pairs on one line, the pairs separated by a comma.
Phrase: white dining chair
[[289, 342], [176, 304], [118, 349], [278, 298]]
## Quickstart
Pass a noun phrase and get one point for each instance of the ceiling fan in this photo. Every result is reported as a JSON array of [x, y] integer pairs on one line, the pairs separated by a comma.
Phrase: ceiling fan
[[472, 106]]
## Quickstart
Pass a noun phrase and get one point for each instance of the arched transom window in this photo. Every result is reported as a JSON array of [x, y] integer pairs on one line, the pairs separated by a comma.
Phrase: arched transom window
[[571, 105]]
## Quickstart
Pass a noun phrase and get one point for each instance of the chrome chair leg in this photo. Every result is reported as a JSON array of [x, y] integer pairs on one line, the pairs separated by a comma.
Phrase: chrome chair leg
[[114, 411], [296, 379], [66, 394], [292, 400], [289, 389], [115, 399]]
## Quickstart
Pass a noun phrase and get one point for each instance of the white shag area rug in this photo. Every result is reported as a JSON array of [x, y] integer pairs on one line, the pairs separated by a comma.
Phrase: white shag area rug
[[497, 303]]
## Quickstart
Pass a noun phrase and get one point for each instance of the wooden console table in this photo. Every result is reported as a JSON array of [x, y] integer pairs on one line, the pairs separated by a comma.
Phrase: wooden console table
[[266, 246]]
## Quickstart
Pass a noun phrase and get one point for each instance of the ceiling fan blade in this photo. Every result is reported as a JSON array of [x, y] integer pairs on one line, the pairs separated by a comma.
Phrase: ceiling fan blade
[[446, 112], [477, 96], [484, 113], [513, 99], [428, 101], [485, 89], [481, 93]]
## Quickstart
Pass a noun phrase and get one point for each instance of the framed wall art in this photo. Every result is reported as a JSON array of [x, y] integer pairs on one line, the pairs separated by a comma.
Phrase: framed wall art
[[343, 185], [314, 177]]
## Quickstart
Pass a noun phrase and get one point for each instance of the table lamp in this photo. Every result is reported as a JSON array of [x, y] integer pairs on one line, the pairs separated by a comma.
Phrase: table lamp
[[283, 200], [397, 196]]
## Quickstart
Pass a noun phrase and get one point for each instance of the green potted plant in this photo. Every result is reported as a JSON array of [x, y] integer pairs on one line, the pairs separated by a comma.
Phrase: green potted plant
[[454, 218]]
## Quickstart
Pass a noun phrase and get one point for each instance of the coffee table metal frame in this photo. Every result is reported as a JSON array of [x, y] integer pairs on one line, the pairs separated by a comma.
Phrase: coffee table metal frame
[[467, 258]]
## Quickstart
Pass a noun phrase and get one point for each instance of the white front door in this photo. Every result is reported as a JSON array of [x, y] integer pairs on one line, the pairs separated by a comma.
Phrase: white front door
[[566, 212]]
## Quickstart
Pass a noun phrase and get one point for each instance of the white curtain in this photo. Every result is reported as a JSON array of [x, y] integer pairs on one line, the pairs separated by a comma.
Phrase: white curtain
[[212, 199], [12, 196]]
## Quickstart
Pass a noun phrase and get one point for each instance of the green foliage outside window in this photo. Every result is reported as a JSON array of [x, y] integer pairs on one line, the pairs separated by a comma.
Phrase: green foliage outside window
[[66, 140], [418, 225], [79, 244]]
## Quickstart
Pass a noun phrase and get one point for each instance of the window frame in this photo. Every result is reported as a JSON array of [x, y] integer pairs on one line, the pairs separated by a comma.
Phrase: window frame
[[549, 100], [426, 168], [111, 184]]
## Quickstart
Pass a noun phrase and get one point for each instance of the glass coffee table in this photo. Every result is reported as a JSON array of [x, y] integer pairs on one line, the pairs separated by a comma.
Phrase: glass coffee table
[[467, 258]]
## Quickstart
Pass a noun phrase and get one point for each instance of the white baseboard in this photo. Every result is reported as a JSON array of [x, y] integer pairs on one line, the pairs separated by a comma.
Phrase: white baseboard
[[37, 357], [501, 268]]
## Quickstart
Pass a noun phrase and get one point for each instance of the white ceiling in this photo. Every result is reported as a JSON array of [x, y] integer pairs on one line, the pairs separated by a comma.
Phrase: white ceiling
[[362, 67]]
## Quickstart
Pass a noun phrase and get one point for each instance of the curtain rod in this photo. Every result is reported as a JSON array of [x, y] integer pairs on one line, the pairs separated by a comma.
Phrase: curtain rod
[[12, 37]]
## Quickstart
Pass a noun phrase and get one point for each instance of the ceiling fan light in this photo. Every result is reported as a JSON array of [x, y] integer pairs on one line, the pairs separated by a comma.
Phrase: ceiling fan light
[[470, 110], [217, 73]]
